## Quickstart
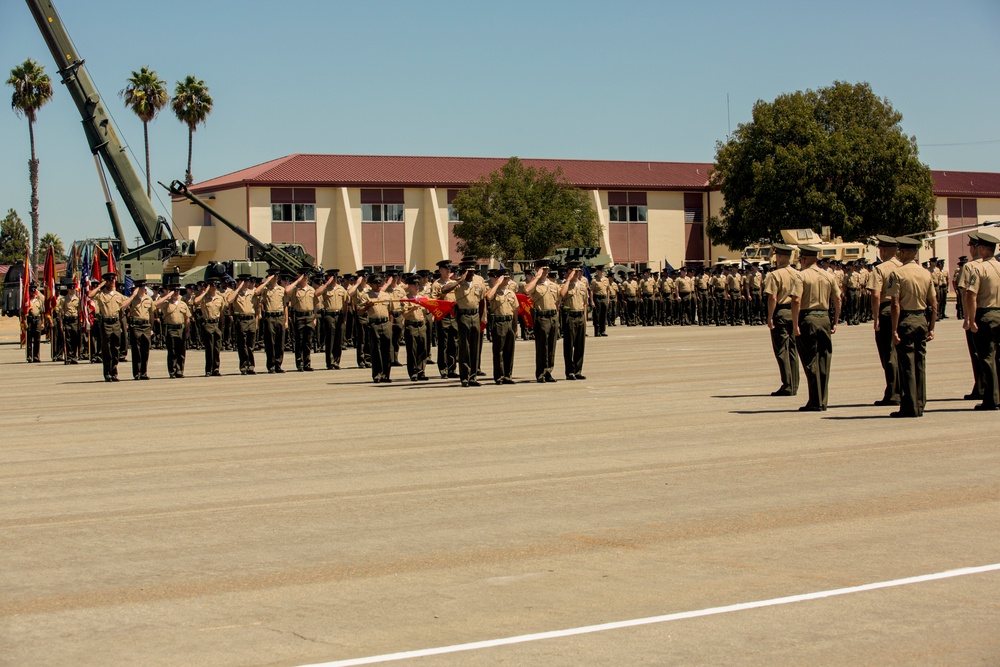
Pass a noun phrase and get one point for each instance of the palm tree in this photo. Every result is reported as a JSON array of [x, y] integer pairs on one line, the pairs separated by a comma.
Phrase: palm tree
[[50, 239], [32, 90], [191, 105], [145, 93]]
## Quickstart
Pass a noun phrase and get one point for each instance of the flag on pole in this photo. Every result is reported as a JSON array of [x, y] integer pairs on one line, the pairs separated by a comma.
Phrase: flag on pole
[[96, 272], [49, 276], [128, 285], [112, 267], [26, 278]]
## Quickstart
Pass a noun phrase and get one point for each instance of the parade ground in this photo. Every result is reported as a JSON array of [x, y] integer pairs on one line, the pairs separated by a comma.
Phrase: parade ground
[[664, 511]]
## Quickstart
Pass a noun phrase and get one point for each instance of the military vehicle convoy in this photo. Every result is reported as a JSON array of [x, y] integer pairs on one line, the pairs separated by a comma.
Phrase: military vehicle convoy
[[830, 249]]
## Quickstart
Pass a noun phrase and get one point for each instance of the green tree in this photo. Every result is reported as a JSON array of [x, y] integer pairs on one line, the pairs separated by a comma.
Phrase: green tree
[[145, 93], [13, 238], [50, 239], [836, 156], [191, 105], [520, 212], [32, 91]]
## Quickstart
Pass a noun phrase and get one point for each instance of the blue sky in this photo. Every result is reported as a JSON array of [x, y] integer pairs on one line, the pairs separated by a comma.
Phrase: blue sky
[[595, 80]]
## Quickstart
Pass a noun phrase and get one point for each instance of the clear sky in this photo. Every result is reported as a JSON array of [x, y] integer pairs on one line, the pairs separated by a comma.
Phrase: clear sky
[[623, 80]]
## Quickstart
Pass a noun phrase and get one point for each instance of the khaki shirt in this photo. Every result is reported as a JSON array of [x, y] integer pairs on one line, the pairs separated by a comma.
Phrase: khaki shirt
[[986, 284], [685, 285], [244, 303], [545, 296], [819, 289], [36, 306], [504, 302], [648, 286], [969, 274], [783, 283], [576, 296], [334, 297], [379, 300], [174, 312], [719, 283], [109, 304], [273, 298], [302, 299], [469, 294], [600, 286], [70, 306], [630, 288], [612, 290], [141, 308], [880, 276], [436, 288], [912, 285], [398, 292], [211, 306]]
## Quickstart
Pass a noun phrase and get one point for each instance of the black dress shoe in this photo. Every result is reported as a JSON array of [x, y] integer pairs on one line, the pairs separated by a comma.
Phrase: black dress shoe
[[581, 377], [279, 370], [507, 381], [899, 414], [464, 383], [570, 376], [782, 392], [985, 406], [180, 375], [480, 374], [884, 402], [413, 378], [107, 378], [143, 377], [376, 380], [386, 379], [308, 369], [474, 383], [216, 374], [973, 397], [114, 378], [423, 378], [251, 371], [549, 378], [810, 408], [540, 380], [396, 363]]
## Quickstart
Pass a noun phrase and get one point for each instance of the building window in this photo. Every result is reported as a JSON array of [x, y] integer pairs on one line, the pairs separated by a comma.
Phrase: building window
[[452, 213], [627, 207], [293, 205], [694, 208], [381, 206]]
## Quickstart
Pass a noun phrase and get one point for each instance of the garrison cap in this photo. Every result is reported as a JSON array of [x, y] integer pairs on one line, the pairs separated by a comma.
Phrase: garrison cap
[[782, 249], [885, 241], [908, 242], [810, 250], [989, 237]]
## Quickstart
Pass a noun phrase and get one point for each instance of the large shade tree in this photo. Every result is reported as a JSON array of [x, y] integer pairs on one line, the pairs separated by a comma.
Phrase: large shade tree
[[145, 93], [520, 212], [32, 91], [832, 157], [191, 105]]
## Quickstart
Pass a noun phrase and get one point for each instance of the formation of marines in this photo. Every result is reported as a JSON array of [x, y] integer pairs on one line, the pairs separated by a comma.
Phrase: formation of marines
[[379, 314]]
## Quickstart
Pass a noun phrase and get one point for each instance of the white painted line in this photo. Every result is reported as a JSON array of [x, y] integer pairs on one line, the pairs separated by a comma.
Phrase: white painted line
[[555, 634]]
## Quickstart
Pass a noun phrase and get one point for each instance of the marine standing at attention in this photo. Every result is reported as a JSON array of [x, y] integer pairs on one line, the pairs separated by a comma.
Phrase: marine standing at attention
[[274, 316], [814, 327], [176, 318], [600, 292], [573, 296], [503, 305], [982, 316], [968, 276], [139, 309], [244, 311], [882, 316], [469, 295], [108, 302], [782, 284], [33, 323], [415, 333], [301, 298], [69, 315], [211, 303], [544, 294], [914, 311], [447, 327], [333, 303]]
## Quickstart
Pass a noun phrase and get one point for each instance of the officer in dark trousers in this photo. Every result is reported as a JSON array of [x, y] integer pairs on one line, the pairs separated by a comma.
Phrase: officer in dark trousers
[[139, 310]]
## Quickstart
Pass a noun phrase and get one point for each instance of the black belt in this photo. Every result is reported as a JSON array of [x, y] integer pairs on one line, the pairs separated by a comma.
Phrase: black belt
[[137, 322], [814, 310], [411, 323], [600, 296], [377, 320], [467, 311], [32, 317], [70, 318], [274, 313], [304, 313], [913, 312], [545, 313], [175, 327], [501, 318], [702, 290], [330, 312], [244, 317], [109, 320], [720, 291], [214, 321], [684, 294], [574, 313]]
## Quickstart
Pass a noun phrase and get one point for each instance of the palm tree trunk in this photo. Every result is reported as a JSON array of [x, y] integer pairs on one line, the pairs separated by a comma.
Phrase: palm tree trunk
[[33, 176], [188, 179], [145, 136]]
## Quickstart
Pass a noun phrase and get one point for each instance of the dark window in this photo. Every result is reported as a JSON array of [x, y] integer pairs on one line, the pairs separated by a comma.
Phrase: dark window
[[382, 206], [293, 205], [694, 208]]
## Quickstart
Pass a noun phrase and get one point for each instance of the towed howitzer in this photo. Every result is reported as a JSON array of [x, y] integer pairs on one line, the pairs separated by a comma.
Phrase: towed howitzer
[[276, 256]]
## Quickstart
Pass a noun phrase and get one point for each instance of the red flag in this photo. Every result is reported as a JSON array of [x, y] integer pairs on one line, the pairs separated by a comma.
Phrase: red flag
[[524, 306], [439, 308], [49, 274], [112, 267], [95, 273], [26, 278]]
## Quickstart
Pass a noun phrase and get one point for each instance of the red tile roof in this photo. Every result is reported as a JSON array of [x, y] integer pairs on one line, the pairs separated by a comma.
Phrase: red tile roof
[[966, 183], [309, 170], [411, 171]]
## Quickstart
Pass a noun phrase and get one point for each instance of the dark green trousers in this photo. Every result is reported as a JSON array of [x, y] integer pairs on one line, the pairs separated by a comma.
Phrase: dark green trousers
[[574, 337], [911, 353], [785, 352], [987, 346], [887, 354], [815, 345]]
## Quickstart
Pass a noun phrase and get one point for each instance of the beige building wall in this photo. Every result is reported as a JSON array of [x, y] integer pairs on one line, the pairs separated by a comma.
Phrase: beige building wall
[[665, 228]]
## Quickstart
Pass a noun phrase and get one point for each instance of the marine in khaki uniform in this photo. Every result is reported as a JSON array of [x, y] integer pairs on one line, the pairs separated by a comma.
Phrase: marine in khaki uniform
[[882, 316], [447, 327], [415, 332], [372, 299], [600, 295], [332, 309], [139, 311], [966, 278], [301, 298], [814, 327], [69, 319], [176, 318], [685, 298], [274, 319], [544, 294], [720, 297], [502, 305], [211, 303], [914, 296], [108, 302], [573, 297], [782, 284], [469, 294], [243, 309], [647, 290], [33, 324], [982, 315], [630, 297]]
